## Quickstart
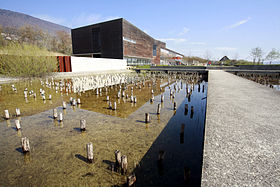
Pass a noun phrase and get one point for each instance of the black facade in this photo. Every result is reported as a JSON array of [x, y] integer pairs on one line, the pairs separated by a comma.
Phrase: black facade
[[103, 40]]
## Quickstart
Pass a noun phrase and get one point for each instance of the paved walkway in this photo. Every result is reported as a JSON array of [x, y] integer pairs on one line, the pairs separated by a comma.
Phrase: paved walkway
[[242, 133]]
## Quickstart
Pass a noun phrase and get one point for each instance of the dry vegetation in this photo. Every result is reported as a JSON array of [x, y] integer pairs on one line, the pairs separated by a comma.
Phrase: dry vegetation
[[29, 52]]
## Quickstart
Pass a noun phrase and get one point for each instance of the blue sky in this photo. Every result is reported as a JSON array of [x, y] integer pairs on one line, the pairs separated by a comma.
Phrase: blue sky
[[212, 28]]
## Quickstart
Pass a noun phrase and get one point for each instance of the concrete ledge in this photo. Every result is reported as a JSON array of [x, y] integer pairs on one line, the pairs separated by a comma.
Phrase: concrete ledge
[[242, 133]]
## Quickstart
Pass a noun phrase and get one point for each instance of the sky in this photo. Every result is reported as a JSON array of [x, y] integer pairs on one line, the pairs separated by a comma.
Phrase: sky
[[204, 28]]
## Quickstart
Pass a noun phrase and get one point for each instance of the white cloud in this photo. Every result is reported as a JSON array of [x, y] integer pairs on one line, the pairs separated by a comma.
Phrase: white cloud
[[185, 31], [225, 48], [237, 24], [178, 40], [50, 18]]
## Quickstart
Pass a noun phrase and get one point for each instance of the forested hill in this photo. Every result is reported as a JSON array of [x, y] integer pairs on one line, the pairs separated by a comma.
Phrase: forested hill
[[16, 20]]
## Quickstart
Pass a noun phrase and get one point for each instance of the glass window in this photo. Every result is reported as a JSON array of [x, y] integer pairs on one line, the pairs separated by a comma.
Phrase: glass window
[[154, 50]]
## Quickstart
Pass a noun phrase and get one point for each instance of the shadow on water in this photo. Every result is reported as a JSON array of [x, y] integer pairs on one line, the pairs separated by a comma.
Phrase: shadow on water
[[175, 157], [19, 149], [81, 157]]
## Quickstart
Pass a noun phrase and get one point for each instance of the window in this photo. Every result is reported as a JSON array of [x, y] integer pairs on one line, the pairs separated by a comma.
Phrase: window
[[154, 50], [137, 61]]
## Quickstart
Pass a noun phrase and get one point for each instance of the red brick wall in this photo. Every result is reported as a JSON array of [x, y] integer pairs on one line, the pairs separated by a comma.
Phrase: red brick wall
[[143, 48]]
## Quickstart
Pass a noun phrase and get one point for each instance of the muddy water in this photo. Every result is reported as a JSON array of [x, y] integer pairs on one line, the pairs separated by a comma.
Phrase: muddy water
[[10, 100], [58, 154]]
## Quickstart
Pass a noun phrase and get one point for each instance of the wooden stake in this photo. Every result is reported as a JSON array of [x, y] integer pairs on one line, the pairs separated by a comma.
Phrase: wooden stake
[[186, 109], [158, 109], [162, 98], [115, 106], [17, 112], [131, 180], [83, 124], [25, 145], [64, 104], [7, 115], [60, 117], [124, 164], [118, 158], [90, 152], [192, 111], [147, 118], [17, 124], [78, 101], [54, 113]]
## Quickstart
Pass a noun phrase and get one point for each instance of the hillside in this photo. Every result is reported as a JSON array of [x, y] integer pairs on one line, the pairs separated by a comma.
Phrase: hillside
[[16, 20]]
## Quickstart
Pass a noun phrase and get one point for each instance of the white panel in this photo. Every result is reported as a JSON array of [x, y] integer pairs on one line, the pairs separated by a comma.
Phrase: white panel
[[85, 64]]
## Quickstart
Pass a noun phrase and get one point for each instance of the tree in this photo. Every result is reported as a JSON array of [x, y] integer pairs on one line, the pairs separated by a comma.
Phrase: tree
[[273, 55], [27, 34], [207, 55], [236, 56], [2, 40], [64, 42], [256, 54]]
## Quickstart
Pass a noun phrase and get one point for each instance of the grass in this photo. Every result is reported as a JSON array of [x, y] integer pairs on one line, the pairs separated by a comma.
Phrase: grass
[[25, 60]]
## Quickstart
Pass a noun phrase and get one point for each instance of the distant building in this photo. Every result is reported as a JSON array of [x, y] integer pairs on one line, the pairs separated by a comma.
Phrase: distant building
[[225, 58], [120, 39]]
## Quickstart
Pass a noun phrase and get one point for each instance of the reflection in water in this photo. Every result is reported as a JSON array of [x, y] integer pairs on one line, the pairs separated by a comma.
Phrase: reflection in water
[[175, 157]]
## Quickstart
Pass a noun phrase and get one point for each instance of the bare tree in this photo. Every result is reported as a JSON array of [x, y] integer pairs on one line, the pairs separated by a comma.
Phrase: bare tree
[[207, 55], [256, 54], [236, 56], [27, 34], [2, 40], [273, 55], [64, 44]]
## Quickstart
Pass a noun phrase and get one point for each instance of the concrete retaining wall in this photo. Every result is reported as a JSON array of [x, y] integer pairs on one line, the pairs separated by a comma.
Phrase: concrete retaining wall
[[259, 67], [84, 64]]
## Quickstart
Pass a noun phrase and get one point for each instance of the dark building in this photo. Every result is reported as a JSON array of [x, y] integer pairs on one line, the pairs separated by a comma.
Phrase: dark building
[[117, 39], [225, 58]]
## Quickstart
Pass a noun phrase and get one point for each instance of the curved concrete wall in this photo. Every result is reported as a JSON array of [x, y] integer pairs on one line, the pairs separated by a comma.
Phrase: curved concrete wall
[[84, 64]]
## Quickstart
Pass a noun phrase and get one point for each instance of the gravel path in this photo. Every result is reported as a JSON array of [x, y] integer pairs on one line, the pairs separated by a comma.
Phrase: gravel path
[[242, 133]]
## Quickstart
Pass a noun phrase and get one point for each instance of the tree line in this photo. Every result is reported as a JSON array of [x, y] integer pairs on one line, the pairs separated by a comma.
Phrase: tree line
[[258, 55]]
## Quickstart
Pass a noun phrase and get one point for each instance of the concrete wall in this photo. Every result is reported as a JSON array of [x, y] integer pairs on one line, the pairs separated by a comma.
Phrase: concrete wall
[[259, 67], [84, 64]]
